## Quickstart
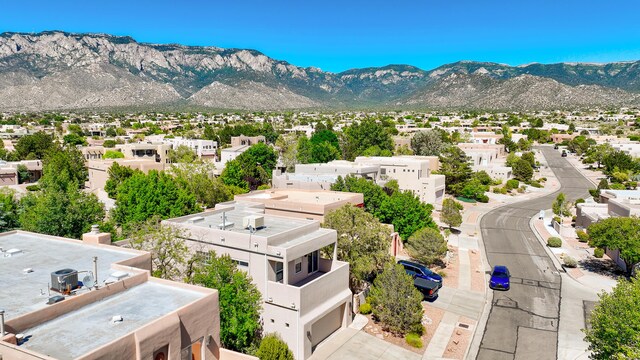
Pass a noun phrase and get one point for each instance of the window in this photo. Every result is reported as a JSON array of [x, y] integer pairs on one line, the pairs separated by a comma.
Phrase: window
[[298, 265], [312, 262], [241, 265], [279, 272]]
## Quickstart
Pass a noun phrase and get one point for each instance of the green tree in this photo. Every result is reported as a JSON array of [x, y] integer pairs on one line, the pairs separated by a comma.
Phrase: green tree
[[407, 213], [429, 143], [142, 196], [109, 144], [326, 136], [522, 170], [619, 161], [288, 148], [239, 300], [373, 194], [255, 164], [474, 189], [560, 206], [524, 145], [58, 212], [165, 243], [37, 144], [362, 135], [598, 153], [117, 175], [74, 139], [234, 175], [427, 246], [111, 132], [455, 166], [395, 302], [63, 167], [512, 159], [113, 154], [197, 178], [615, 323], [8, 210], [23, 174], [363, 242], [182, 154], [618, 233], [530, 158], [272, 347], [450, 213]]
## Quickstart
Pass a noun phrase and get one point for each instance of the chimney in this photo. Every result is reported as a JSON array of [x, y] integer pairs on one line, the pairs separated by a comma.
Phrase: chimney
[[95, 237]]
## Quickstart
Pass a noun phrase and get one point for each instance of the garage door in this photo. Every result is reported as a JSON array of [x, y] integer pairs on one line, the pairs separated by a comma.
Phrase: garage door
[[326, 325]]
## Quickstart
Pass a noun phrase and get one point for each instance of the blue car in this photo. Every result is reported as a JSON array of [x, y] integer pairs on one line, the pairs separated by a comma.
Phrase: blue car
[[500, 278], [418, 270]]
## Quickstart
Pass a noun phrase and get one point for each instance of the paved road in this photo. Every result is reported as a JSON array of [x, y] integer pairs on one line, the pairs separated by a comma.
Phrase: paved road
[[523, 322]]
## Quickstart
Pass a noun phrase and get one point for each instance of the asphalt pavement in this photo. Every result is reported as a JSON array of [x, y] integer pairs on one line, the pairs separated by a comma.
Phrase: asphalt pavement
[[523, 322]]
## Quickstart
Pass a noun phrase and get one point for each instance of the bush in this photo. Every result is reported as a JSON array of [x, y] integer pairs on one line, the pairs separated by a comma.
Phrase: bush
[[521, 189], [554, 242], [482, 198], [34, 187], [498, 190], [569, 262], [535, 184], [512, 184], [598, 252], [273, 348], [557, 219], [365, 308], [579, 201], [582, 236], [542, 179], [414, 340]]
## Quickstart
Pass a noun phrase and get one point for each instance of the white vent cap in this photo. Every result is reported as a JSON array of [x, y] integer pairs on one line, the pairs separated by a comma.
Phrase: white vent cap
[[116, 319]]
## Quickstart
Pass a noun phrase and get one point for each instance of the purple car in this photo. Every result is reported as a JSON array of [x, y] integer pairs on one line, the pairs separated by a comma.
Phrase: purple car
[[500, 278]]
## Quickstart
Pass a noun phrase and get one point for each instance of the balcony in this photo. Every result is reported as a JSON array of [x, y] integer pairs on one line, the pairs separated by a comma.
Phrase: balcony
[[331, 279]]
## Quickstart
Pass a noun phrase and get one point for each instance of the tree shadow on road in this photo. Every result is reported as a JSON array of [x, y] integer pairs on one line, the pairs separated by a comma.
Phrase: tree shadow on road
[[604, 267]]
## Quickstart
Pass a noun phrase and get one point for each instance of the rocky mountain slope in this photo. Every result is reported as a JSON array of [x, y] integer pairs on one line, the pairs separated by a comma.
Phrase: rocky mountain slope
[[57, 70]]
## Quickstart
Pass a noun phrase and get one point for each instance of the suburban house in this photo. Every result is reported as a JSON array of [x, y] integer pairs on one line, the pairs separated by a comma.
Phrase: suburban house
[[9, 171], [488, 157], [72, 299], [305, 290], [204, 149]]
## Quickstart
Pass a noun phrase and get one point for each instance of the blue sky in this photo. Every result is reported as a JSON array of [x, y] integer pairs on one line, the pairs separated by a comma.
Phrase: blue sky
[[339, 35]]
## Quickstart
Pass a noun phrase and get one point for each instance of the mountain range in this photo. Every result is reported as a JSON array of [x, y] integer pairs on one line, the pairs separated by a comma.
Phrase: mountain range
[[56, 70]]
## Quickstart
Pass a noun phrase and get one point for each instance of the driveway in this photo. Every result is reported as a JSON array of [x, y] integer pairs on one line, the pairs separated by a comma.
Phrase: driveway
[[352, 344], [523, 322]]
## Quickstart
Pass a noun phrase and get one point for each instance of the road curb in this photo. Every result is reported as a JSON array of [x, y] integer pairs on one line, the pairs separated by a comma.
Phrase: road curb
[[583, 175]]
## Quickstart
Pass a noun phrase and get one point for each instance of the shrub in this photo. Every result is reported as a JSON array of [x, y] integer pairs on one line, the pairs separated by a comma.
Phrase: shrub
[[542, 179], [34, 187], [482, 198], [569, 262], [497, 190], [579, 201], [512, 184], [273, 348], [557, 219], [414, 340], [535, 184], [521, 189], [554, 242], [365, 308], [582, 236], [598, 252]]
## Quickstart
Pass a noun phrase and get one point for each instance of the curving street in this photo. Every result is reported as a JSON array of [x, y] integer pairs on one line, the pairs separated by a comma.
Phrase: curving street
[[523, 322]]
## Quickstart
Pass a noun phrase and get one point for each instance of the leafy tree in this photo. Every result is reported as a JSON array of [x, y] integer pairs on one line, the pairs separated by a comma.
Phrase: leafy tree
[[615, 323], [360, 136], [288, 147], [113, 154], [239, 299], [530, 158], [74, 139], [524, 145], [395, 302], [117, 175], [427, 246], [272, 347], [253, 167], [450, 213], [37, 144], [363, 242], [23, 173], [111, 132], [483, 177], [522, 170], [373, 194], [109, 144], [429, 143], [326, 136], [560, 206], [511, 160], [165, 243], [197, 178], [621, 233], [474, 189], [8, 210], [619, 161], [598, 153], [407, 213], [63, 167], [182, 154], [142, 196], [234, 175], [60, 212], [375, 150], [324, 152], [455, 166]]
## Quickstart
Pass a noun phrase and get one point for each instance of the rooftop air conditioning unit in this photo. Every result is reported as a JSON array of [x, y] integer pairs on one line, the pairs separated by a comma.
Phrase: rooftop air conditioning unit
[[253, 222], [64, 280]]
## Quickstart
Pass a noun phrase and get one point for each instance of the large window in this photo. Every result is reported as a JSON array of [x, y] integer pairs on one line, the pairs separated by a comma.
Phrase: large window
[[312, 261]]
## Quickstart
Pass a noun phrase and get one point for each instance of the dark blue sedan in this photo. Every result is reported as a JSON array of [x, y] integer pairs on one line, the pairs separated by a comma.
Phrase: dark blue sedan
[[500, 278], [418, 270]]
